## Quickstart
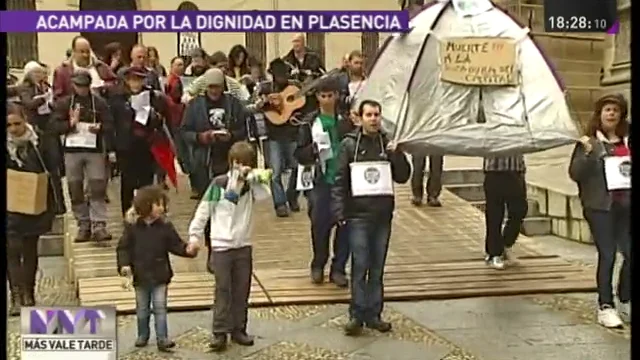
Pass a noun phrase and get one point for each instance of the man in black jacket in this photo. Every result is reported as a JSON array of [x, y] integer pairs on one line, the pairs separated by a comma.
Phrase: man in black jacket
[[363, 197], [306, 63], [212, 123], [136, 131], [317, 147], [282, 139]]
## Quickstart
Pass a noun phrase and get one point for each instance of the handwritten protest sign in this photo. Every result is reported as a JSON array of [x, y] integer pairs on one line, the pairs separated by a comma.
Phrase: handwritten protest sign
[[478, 61]]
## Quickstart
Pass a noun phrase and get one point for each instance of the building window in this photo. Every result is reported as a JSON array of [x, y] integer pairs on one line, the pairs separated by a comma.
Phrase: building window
[[369, 44], [256, 44], [21, 47], [315, 41], [188, 41]]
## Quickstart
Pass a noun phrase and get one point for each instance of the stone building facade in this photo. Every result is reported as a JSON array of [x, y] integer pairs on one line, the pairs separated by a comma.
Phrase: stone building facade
[[617, 60], [50, 47]]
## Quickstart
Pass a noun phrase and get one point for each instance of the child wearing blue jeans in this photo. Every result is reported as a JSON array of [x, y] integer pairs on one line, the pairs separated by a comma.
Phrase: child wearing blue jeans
[[143, 251]]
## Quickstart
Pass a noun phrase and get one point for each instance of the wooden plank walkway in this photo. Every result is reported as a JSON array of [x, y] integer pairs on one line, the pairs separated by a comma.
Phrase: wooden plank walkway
[[190, 291], [434, 253]]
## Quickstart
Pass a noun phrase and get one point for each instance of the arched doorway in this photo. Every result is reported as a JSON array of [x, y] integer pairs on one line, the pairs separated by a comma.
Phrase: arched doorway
[[99, 40], [188, 41]]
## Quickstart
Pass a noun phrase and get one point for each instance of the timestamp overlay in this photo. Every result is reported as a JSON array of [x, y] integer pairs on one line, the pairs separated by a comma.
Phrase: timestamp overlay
[[581, 16]]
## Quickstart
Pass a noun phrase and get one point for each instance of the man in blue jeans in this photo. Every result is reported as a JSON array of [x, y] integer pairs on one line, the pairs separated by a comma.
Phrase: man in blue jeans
[[363, 200], [282, 139]]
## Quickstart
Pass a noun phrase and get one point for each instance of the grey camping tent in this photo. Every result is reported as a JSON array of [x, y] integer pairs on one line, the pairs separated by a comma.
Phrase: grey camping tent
[[474, 85]]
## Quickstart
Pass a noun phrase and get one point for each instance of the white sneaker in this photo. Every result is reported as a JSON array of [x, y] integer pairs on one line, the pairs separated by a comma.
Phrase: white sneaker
[[496, 262], [509, 257], [624, 309], [609, 318]]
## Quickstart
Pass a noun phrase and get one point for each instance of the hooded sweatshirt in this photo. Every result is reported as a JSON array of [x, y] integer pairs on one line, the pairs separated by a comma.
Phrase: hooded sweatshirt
[[230, 209]]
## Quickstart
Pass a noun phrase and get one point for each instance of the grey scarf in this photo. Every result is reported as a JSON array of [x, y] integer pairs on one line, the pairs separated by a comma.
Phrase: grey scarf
[[16, 144]]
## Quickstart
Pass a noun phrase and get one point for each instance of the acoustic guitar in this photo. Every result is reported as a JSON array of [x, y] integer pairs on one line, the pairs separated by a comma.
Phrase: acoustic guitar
[[282, 105]]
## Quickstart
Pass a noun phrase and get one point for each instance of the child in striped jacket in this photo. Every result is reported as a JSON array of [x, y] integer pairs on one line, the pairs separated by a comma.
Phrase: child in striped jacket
[[228, 204]]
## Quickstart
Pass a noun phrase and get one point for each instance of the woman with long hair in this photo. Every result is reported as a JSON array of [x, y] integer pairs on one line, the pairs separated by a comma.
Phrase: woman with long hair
[[36, 98], [26, 153], [238, 62], [601, 166], [153, 60], [113, 56]]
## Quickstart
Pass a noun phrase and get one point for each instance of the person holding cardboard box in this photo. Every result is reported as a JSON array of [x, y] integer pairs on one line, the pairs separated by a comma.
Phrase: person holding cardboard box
[[31, 204], [87, 125]]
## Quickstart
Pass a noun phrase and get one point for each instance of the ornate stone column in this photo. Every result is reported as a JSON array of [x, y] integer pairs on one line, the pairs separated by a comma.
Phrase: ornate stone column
[[617, 62]]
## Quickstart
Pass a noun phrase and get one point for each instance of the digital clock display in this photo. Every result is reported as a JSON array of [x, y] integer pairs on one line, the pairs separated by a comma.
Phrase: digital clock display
[[579, 15]]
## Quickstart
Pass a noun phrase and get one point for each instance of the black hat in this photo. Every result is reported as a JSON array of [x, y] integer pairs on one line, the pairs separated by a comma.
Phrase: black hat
[[279, 67], [135, 71], [81, 78]]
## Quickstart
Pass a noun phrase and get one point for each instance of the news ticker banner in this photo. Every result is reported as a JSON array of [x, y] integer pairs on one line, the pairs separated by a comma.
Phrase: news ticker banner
[[204, 21], [68, 333]]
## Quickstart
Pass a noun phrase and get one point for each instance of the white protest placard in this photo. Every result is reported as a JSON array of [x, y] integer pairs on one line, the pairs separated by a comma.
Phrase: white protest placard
[[478, 61], [371, 178], [617, 170], [82, 137]]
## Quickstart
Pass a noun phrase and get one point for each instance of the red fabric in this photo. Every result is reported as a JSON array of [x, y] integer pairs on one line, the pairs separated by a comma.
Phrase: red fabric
[[173, 90], [621, 150], [164, 156]]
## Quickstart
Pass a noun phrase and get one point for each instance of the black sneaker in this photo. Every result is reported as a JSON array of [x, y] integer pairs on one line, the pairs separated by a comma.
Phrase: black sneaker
[[416, 201], [282, 211], [219, 342], [353, 328], [317, 276], [242, 338], [294, 206], [340, 280], [379, 325], [166, 346], [141, 342]]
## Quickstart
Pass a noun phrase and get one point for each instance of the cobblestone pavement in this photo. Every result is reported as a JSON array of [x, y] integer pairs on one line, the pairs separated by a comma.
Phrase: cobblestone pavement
[[509, 328]]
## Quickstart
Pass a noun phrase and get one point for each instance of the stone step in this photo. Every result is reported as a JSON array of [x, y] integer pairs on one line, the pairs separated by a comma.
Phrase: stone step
[[536, 226], [51, 245], [533, 209], [58, 226], [460, 176], [93, 272], [468, 192], [578, 78]]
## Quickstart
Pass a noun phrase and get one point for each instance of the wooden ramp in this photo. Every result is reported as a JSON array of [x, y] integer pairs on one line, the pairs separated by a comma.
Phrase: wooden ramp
[[187, 291], [403, 281]]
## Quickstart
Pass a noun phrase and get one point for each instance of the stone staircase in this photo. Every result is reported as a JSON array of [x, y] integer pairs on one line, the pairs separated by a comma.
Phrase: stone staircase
[[52, 243], [577, 58], [467, 184]]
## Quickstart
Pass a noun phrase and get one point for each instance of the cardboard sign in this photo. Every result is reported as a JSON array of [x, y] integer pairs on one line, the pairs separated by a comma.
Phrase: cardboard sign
[[27, 192], [478, 61]]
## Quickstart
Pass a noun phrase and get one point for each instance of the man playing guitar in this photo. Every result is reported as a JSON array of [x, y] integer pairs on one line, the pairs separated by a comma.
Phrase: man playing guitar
[[281, 141]]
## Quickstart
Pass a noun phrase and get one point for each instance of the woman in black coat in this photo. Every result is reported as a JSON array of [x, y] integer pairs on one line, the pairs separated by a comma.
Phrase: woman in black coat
[[26, 153]]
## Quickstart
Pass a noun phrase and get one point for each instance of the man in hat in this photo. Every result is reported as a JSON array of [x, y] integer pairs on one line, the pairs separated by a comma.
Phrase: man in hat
[[282, 139], [212, 122], [141, 114], [82, 58], [84, 119]]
